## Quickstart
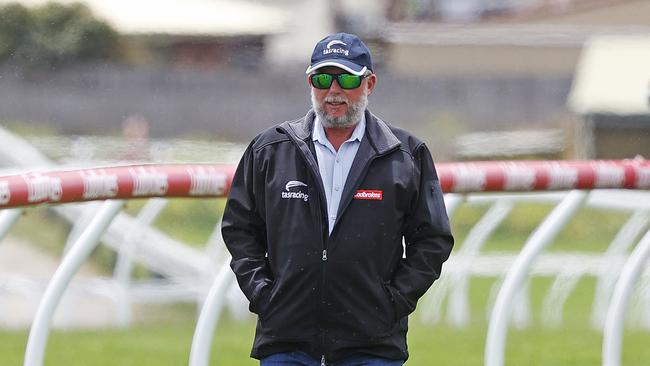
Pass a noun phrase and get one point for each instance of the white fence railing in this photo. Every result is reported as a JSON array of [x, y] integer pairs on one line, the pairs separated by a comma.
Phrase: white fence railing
[[576, 184], [115, 184]]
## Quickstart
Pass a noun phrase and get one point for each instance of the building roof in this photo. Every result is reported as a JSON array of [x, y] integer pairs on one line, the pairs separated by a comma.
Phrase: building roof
[[510, 34], [183, 17], [613, 76]]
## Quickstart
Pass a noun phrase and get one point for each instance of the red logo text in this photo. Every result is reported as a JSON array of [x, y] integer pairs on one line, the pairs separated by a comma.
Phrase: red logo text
[[369, 194]]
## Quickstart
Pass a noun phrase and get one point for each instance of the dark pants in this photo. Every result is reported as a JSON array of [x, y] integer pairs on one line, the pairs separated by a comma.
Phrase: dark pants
[[303, 359]]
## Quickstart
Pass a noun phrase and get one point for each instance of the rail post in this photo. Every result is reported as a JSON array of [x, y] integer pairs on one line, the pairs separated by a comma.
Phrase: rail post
[[498, 325], [80, 250], [613, 334]]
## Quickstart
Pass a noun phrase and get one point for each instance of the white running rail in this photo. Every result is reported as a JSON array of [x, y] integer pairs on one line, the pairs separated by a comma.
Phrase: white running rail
[[577, 184]]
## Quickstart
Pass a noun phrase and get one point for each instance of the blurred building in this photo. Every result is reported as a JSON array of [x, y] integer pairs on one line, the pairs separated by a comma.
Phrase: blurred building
[[532, 37], [450, 70], [611, 94], [521, 57]]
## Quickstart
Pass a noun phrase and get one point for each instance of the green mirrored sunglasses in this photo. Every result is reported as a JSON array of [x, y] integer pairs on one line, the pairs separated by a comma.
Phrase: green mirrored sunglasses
[[346, 81]]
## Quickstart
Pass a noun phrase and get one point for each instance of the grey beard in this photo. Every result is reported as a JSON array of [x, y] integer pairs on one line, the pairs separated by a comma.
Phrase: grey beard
[[351, 117]]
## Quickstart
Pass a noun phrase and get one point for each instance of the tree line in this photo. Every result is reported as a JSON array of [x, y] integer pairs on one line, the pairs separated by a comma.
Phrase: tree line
[[54, 34]]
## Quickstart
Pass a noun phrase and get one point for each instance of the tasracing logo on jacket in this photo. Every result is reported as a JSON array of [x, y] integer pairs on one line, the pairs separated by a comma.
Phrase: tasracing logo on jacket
[[295, 194], [369, 194]]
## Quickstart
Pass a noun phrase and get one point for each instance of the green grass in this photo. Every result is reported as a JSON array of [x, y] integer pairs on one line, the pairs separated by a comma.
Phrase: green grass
[[164, 338], [191, 221], [168, 343], [590, 230], [52, 233]]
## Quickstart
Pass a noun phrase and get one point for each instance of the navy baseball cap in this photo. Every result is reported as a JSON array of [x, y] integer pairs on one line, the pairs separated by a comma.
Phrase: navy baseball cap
[[342, 50]]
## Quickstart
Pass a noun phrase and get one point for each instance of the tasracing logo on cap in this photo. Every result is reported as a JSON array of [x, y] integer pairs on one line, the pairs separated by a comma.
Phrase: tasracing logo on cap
[[336, 41], [340, 50]]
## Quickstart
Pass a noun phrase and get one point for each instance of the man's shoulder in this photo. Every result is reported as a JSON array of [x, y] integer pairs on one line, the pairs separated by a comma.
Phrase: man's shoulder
[[408, 140], [272, 135]]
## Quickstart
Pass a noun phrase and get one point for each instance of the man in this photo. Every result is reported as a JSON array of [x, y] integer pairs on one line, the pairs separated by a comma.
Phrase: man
[[315, 220]]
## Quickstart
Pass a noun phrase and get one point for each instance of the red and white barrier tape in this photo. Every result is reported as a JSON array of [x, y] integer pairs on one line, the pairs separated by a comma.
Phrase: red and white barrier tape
[[214, 180], [115, 182], [525, 176]]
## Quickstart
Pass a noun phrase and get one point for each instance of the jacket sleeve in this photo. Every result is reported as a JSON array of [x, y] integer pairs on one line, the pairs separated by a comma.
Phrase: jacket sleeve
[[427, 235], [244, 232]]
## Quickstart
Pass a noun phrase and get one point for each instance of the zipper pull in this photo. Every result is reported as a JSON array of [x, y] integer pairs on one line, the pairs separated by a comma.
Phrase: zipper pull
[[324, 257], [322, 359]]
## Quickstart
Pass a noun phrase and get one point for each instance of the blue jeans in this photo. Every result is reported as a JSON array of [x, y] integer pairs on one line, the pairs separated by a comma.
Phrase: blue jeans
[[303, 359]]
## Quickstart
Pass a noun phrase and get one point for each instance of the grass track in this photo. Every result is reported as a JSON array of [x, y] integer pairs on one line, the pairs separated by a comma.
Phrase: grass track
[[169, 344]]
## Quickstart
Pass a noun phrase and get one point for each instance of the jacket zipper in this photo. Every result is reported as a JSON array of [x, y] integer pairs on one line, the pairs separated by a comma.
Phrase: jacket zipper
[[322, 292], [322, 203], [323, 226]]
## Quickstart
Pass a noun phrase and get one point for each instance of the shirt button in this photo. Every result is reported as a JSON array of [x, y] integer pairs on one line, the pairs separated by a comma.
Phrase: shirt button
[[337, 160], [336, 188]]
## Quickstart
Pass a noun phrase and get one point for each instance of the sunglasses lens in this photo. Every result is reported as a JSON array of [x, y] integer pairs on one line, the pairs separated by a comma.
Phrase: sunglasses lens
[[321, 81], [347, 81]]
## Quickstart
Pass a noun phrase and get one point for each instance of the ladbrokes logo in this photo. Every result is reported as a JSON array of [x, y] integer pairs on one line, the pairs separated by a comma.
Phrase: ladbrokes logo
[[369, 194], [329, 48], [290, 191]]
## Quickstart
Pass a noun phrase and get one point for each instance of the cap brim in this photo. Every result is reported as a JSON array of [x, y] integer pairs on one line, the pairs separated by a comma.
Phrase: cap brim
[[348, 66]]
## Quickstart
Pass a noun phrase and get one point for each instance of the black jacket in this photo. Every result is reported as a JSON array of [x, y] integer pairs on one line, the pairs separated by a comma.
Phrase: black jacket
[[349, 292]]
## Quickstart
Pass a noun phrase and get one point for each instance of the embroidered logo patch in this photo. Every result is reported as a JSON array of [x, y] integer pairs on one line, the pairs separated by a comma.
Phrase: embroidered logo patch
[[369, 194], [293, 194]]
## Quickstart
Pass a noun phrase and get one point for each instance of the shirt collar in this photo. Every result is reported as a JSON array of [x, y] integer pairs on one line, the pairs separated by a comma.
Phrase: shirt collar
[[319, 131]]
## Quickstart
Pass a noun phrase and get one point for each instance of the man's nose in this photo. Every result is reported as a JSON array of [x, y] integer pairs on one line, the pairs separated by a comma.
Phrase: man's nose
[[335, 87]]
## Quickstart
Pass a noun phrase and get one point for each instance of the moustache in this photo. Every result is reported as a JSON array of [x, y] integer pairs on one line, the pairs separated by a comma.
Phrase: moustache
[[335, 99]]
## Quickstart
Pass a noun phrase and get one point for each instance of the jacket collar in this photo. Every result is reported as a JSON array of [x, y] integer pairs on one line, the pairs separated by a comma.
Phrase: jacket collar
[[380, 140], [381, 137]]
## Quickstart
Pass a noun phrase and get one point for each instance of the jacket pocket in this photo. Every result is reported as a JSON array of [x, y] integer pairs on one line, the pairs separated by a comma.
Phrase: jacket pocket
[[290, 310], [389, 295], [260, 303], [364, 313]]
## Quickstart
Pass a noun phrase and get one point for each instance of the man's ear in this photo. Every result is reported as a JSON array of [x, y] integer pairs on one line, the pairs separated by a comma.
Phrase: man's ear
[[371, 81]]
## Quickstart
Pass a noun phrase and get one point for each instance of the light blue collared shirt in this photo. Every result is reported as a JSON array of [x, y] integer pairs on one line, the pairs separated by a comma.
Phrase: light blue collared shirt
[[333, 165]]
